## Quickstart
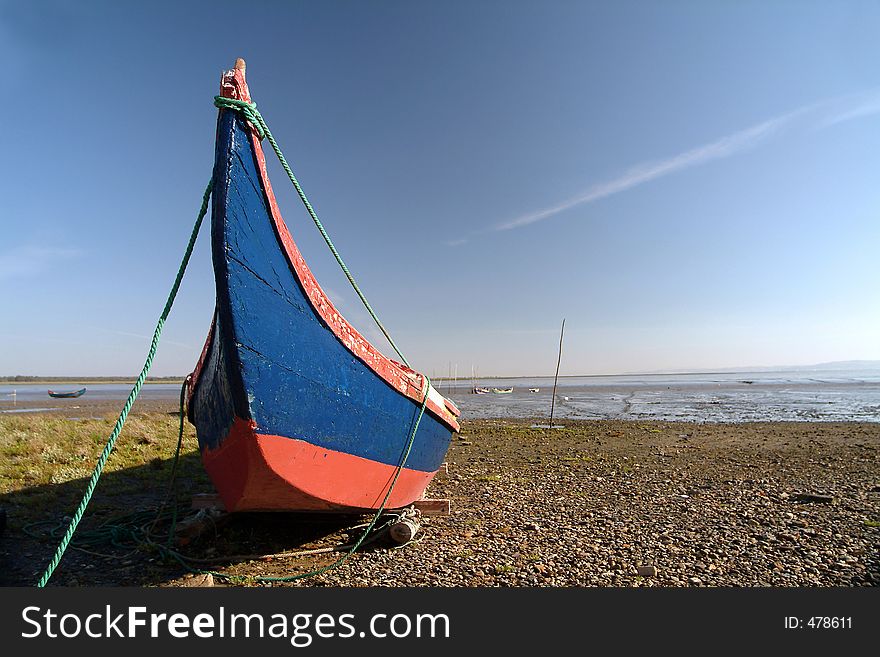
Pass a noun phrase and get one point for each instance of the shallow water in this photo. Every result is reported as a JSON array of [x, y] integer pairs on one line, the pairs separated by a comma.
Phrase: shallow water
[[825, 396], [796, 395]]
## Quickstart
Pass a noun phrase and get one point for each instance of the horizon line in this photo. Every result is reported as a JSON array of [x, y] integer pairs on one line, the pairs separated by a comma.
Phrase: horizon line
[[736, 369]]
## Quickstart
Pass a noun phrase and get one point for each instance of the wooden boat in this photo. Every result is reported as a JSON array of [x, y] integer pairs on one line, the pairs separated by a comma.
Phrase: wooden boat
[[67, 395], [294, 409], [480, 391], [502, 391]]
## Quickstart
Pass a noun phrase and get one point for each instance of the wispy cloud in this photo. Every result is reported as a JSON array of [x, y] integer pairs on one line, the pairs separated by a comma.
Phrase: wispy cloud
[[829, 113], [865, 106], [29, 260]]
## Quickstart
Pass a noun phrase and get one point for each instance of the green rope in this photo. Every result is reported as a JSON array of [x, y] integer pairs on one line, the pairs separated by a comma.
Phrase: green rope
[[381, 508], [135, 530], [115, 532], [249, 110], [182, 560], [181, 413], [120, 422]]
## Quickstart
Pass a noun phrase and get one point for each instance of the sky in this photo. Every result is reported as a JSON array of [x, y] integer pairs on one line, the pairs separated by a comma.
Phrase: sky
[[689, 185]]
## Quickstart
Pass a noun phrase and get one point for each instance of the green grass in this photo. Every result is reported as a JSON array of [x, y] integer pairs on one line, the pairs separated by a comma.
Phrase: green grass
[[45, 462]]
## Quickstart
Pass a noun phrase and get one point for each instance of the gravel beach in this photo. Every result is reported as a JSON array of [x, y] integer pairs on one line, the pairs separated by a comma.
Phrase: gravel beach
[[647, 504], [592, 504]]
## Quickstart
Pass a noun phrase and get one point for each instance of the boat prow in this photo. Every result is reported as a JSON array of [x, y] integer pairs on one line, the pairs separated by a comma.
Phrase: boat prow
[[294, 409]]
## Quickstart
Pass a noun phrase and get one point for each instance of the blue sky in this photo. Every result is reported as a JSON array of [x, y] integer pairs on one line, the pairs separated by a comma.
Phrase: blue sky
[[689, 184]]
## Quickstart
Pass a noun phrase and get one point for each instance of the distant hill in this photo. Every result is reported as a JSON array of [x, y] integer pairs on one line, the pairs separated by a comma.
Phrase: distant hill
[[844, 365]]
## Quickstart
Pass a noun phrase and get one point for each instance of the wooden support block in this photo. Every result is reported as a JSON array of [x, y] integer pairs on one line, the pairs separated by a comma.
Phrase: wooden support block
[[404, 531], [432, 507]]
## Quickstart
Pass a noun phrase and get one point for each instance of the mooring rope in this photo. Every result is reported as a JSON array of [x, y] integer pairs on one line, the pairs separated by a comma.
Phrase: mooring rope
[[120, 422], [249, 110], [380, 510], [187, 562]]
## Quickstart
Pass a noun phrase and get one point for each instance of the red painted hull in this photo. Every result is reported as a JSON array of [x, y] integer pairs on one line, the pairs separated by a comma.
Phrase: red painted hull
[[276, 473]]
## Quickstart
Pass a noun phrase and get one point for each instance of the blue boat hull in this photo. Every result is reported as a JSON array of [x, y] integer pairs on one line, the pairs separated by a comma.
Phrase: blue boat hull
[[67, 395], [288, 414]]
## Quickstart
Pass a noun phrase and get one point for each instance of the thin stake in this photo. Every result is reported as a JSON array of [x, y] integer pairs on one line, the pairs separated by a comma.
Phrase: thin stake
[[558, 360]]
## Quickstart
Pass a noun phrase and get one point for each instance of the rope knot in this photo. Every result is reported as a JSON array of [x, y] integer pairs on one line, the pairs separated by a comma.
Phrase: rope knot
[[249, 110]]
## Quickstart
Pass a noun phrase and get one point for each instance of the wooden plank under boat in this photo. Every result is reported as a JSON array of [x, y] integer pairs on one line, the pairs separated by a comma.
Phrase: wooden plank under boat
[[67, 395], [294, 409]]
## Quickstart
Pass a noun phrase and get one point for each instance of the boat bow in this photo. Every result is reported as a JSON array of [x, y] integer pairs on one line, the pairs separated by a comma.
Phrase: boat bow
[[295, 408]]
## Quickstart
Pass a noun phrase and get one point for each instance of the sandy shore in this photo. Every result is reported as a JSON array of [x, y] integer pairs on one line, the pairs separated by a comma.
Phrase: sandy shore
[[598, 503]]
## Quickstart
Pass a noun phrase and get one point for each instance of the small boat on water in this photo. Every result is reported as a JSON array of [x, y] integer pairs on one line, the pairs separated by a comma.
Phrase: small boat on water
[[502, 391], [480, 391], [534, 390], [293, 408], [67, 395]]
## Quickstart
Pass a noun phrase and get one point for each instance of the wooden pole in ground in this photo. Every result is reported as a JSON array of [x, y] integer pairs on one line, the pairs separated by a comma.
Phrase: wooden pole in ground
[[558, 360]]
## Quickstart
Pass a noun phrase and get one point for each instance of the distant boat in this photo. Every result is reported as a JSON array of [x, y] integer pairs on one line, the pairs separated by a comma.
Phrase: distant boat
[[480, 391], [294, 409], [534, 390], [67, 395], [502, 391]]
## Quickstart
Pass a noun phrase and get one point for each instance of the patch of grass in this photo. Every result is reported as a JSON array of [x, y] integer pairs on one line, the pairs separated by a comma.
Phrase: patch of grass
[[45, 461]]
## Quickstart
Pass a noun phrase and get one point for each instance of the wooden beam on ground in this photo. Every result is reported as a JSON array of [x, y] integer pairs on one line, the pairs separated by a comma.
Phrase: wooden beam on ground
[[431, 507], [428, 507]]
